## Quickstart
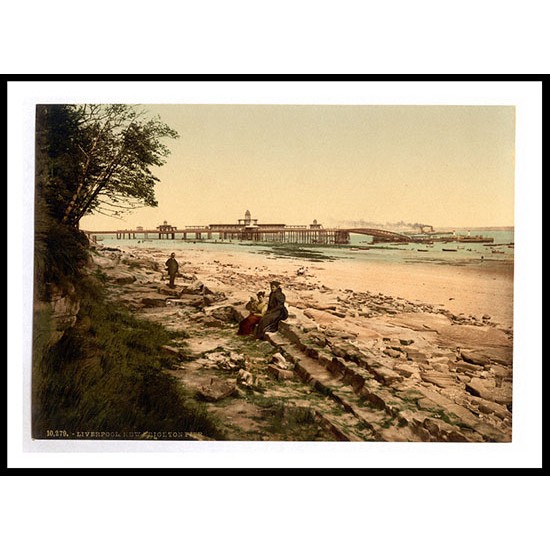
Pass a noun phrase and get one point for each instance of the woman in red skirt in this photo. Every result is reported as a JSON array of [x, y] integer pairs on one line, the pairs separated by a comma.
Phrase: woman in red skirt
[[257, 307]]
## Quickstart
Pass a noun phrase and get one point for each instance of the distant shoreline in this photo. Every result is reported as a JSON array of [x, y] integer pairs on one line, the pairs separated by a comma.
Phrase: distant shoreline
[[478, 228]]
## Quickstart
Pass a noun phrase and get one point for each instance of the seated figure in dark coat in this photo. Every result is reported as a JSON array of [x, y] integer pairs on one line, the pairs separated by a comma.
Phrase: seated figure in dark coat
[[276, 311]]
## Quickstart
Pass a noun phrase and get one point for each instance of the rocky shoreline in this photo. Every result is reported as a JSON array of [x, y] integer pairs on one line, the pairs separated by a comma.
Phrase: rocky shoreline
[[345, 365]]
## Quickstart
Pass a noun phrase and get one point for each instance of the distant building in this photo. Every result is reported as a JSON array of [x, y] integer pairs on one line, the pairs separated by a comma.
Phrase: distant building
[[315, 225], [247, 223], [247, 220], [166, 227]]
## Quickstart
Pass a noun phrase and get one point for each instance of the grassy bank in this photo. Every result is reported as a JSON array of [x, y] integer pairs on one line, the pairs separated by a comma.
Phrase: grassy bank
[[108, 374]]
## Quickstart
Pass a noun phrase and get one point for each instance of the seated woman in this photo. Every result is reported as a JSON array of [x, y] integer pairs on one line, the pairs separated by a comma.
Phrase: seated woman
[[257, 307], [276, 311]]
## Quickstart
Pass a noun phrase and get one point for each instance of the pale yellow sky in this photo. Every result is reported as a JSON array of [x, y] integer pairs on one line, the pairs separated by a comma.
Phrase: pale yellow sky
[[439, 165]]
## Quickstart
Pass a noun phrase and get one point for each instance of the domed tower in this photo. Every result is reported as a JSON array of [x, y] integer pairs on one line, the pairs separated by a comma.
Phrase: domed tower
[[315, 225], [248, 220]]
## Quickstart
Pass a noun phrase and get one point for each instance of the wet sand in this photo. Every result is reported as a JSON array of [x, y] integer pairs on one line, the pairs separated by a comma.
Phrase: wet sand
[[477, 288]]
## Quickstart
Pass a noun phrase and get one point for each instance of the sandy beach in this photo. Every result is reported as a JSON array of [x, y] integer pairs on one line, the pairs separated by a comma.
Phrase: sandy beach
[[481, 288]]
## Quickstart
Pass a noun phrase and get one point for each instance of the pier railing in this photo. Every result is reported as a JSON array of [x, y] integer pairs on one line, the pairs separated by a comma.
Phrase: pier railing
[[289, 234]]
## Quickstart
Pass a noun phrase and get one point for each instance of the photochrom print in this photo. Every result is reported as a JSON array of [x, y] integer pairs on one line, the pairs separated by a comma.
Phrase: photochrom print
[[223, 272]]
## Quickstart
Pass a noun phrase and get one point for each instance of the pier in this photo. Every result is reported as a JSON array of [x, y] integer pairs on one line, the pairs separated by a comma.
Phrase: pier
[[248, 229], [289, 234]]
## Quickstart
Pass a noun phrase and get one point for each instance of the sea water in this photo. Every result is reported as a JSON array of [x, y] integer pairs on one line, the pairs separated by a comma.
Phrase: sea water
[[361, 248], [501, 249]]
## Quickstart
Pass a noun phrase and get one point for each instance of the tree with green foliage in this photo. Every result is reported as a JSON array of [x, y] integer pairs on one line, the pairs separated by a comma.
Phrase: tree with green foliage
[[98, 158], [106, 372]]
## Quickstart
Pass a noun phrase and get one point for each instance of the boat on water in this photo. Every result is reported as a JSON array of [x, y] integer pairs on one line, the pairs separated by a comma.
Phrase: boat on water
[[422, 250], [509, 245], [449, 249], [474, 239], [429, 234]]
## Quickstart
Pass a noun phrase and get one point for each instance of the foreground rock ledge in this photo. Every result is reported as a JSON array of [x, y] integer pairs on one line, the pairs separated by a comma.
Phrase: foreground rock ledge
[[386, 369]]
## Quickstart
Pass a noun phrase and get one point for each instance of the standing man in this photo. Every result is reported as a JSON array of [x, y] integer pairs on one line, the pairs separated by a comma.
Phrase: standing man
[[172, 266]]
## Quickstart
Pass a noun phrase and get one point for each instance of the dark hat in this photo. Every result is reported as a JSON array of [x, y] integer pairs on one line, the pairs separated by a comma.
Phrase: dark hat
[[276, 283]]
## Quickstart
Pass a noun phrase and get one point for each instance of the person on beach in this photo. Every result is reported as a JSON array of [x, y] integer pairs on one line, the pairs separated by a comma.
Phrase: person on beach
[[173, 267], [276, 311], [257, 306]]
